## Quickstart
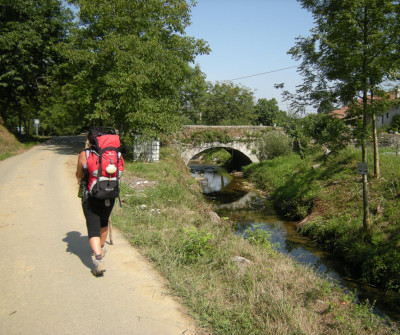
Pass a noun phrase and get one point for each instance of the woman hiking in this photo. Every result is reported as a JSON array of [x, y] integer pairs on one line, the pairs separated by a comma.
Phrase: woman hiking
[[97, 211]]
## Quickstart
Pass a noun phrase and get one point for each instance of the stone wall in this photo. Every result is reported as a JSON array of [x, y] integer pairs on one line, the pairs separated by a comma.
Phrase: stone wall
[[389, 140], [146, 151]]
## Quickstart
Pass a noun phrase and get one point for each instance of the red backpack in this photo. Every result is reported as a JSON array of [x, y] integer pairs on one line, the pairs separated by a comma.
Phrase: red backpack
[[105, 165]]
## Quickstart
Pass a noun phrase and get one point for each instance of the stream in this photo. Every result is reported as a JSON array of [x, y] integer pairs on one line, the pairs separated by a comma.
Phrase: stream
[[233, 197]]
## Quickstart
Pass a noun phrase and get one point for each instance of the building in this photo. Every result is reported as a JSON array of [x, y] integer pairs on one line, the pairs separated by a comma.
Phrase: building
[[387, 117], [384, 119]]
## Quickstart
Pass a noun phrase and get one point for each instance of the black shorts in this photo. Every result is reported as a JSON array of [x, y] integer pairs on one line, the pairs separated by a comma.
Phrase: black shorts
[[97, 215]]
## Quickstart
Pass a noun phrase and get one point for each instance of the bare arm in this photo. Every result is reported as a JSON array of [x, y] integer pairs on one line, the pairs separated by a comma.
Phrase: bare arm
[[79, 168]]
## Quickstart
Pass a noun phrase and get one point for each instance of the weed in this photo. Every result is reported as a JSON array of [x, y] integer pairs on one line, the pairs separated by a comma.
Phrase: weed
[[257, 236], [194, 245]]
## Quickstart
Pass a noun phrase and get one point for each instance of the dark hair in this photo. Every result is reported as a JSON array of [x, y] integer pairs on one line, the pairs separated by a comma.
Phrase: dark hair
[[99, 131]]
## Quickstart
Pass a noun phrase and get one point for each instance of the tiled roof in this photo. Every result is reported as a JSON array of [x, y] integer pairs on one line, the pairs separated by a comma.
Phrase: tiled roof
[[342, 112]]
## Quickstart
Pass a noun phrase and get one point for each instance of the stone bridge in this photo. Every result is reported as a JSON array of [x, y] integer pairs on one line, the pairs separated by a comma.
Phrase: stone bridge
[[242, 142]]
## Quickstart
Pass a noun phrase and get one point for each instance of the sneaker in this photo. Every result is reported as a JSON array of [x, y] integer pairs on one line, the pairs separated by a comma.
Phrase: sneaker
[[99, 267], [104, 250]]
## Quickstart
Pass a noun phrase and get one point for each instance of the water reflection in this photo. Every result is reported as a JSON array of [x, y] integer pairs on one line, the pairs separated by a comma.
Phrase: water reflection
[[212, 179], [283, 234], [248, 211]]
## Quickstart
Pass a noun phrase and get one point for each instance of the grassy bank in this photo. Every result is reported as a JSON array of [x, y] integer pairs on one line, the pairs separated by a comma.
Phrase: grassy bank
[[11, 145], [326, 198], [264, 292]]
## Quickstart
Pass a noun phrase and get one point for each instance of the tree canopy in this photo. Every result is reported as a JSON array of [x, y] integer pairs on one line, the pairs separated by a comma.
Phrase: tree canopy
[[352, 49], [29, 33], [229, 104], [194, 95], [121, 63], [269, 114], [130, 60]]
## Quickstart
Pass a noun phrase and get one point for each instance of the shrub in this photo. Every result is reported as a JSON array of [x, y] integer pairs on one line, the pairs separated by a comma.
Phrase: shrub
[[395, 125], [257, 236], [327, 131], [275, 144], [194, 245], [382, 269]]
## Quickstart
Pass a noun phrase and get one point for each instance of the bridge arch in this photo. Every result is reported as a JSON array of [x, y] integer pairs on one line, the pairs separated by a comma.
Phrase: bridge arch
[[240, 151]]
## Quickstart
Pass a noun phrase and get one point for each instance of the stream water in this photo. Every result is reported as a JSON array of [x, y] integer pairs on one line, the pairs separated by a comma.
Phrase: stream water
[[232, 197]]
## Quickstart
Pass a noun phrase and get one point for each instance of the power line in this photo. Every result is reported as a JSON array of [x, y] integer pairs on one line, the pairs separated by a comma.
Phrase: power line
[[260, 74]]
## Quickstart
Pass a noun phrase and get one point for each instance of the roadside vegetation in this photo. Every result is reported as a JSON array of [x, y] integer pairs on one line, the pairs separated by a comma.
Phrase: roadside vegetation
[[324, 194], [11, 145], [230, 284]]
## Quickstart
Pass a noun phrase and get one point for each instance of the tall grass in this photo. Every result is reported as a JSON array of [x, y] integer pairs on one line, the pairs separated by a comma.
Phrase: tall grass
[[269, 293]]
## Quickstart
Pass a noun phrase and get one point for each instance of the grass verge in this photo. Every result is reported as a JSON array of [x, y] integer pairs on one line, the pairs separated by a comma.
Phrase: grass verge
[[259, 292], [11, 145]]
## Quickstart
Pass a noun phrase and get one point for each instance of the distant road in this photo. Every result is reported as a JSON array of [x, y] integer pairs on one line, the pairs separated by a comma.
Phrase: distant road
[[46, 285]]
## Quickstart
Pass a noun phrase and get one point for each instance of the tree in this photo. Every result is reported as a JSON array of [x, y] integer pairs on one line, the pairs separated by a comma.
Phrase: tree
[[194, 95], [330, 132], [129, 60], [349, 53], [269, 114], [29, 32], [229, 104]]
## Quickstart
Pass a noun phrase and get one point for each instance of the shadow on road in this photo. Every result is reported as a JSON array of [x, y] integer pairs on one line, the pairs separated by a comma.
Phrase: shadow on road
[[79, 246], [66, 145]]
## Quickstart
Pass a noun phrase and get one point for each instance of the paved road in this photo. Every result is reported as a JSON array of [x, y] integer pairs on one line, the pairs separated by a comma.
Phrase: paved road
[[46, 286]]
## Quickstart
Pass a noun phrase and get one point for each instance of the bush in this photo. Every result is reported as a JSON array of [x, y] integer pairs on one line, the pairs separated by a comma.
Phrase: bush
[[395, 125], [327, 131], [257, 236], [275, 144], [382, 269], [194, 245]]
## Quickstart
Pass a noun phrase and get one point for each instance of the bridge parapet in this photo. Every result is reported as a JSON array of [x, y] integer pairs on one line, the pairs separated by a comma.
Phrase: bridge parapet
[[232, 132], [242, 141], [249, 150]]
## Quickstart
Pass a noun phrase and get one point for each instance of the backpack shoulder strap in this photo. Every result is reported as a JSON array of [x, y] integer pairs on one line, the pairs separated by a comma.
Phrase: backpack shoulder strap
[[87, 156]]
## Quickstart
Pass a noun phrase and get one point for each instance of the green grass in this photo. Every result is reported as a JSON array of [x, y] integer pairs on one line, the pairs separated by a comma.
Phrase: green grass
[[329, 200], [7, 150], [11, 145], [170, 223], [3, 156]]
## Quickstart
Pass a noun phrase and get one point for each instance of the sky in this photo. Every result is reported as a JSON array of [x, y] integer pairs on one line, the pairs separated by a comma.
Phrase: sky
[[250, 37]]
